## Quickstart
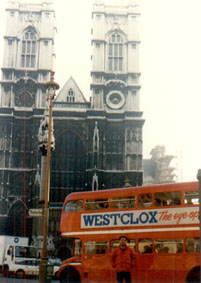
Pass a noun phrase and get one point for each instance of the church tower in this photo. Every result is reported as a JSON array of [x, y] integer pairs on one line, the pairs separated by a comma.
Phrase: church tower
[[29, 35], [28, 61], [116, 88], [115, 60]]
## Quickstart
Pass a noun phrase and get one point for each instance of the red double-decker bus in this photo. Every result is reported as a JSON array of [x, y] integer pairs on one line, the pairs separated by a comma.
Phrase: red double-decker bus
[[160, 221]]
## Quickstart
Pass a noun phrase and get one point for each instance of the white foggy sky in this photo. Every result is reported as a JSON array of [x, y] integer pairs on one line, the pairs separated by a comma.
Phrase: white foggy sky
[[170, 66]]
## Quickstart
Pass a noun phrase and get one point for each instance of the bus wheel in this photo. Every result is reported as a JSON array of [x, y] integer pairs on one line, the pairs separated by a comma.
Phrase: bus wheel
[[70, 275], [20, 273], [194, 275]]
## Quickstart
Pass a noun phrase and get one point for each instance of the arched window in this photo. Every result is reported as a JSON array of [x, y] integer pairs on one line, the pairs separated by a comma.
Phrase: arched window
[[71, 96], [18, 219], [115, 53], [29, 46]]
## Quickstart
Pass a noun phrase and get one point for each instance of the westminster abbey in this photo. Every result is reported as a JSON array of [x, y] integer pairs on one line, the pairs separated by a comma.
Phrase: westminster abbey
[[98, 143]]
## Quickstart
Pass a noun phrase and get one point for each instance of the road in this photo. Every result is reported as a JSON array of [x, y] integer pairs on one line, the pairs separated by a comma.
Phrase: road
[[15, 280]]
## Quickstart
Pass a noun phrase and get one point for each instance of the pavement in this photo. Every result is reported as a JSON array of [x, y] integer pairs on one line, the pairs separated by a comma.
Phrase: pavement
[[16, 280]]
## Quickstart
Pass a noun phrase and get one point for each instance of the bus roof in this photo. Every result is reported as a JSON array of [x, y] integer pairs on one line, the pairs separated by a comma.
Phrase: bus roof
[[127, 191]]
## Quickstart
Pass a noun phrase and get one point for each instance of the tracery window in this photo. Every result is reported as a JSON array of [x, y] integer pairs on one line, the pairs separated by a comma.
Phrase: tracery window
[[71, 96], [115, 53], [29, 47]]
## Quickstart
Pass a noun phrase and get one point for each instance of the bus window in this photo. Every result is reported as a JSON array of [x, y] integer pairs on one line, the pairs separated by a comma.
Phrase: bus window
[[101, 247], [145, 200], [130, 243], [77, 247], [73, 205], [114, 244], [96, 204], [92, 247], [167, 198], [193, 245], [124, 202], [191, 197], [145, 246], [169, 246]]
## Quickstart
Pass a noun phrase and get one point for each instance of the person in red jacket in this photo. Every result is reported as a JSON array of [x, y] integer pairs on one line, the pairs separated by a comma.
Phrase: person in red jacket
[[123, 260]]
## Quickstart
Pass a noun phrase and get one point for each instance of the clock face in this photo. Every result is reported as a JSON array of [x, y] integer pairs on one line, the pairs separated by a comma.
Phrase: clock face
[[115, 99]]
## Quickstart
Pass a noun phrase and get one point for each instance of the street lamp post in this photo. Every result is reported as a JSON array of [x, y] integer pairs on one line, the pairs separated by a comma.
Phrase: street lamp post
[[46, 145]]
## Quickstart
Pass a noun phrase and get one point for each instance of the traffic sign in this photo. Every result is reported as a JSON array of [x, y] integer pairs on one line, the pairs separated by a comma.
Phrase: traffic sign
[[35, 212]]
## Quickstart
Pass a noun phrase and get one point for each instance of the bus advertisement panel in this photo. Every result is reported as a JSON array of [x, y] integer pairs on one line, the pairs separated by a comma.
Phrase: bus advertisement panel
[[135, 218]]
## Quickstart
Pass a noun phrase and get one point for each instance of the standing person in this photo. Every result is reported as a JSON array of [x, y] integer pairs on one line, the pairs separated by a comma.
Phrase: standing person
[[123, 261]]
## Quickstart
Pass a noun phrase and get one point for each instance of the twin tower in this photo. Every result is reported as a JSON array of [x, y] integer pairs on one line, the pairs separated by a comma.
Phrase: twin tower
[[98, 143]]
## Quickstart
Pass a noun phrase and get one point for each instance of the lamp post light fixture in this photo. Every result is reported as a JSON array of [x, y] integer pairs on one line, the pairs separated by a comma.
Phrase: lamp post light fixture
[[46, 146]]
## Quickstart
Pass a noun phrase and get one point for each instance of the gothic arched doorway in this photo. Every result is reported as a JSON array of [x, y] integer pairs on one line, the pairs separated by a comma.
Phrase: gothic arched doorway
[[68, 164], [17, 224]]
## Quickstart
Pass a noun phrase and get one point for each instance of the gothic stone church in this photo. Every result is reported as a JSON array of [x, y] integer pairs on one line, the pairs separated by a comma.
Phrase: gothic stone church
[[98, 143]]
